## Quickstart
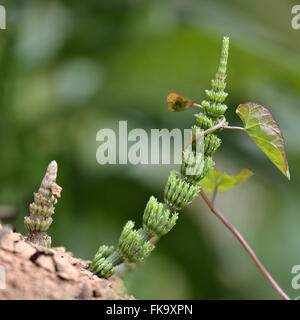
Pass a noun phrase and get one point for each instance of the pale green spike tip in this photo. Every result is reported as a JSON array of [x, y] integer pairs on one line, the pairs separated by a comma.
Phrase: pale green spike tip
[[225, 46], [225, 41], [41, 210], [224, 54]]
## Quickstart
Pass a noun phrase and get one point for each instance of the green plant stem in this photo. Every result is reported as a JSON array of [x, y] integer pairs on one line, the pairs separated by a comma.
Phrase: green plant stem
[[203, 133], [220, 125], [213, 199], [243, 242], [233, 128], [196, 105]]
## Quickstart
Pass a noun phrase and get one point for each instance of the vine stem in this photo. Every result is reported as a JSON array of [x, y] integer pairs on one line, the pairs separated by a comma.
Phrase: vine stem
[[213, 199], [234, 128], [220, 125], [203, 133], [196, 105], [244, 243]]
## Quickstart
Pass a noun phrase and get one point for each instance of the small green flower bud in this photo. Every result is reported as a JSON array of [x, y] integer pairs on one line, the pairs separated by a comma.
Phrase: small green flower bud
[[157, 219], [179, 193]]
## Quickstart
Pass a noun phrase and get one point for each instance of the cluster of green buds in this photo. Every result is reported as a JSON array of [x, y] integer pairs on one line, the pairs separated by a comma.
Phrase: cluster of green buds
[[210, 116], [136, 245], [181, 189], [41, 210]]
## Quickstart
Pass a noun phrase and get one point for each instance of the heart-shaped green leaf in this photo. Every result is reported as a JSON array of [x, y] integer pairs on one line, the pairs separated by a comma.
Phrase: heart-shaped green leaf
[[265, 132], [223, 180]]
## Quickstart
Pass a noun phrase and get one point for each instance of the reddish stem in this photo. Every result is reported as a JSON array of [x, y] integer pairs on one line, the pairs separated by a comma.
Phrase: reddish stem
[[245, 245]]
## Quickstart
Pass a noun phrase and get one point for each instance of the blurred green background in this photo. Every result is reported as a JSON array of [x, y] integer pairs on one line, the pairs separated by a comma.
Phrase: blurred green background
[[71, 68]]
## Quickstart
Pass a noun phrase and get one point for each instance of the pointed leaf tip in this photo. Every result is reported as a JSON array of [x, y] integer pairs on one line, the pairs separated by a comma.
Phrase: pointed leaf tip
[[265, 132]]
